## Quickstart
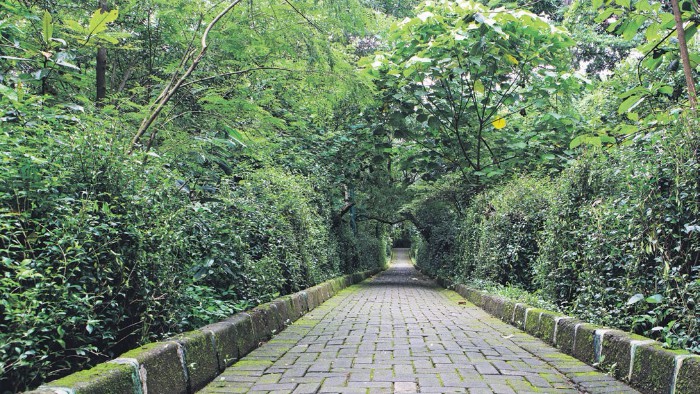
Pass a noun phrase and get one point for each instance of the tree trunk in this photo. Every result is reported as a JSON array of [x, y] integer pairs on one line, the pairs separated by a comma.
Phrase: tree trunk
[[685, 59], [101, 67]]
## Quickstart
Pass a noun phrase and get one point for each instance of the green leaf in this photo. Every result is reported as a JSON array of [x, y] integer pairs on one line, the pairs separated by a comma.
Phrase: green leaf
[[64, 63], [635, 299], [596, 4], [494, 173], [586, 139], [604, 15], [652, 32], [624, 3], [668, 90], [75, 26], [626, 129], [479, 87], [576, 142], [8, 92], [606, 139], [630, 29], [109, 38], [690, 31], [100, 19], [655, 299], [630, 103], [434, 122], [643, 6], [47, 27], [667, 20]]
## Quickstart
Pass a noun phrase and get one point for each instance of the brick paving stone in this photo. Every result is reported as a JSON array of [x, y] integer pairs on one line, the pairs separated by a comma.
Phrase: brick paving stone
[[405, 387], [400, 333]]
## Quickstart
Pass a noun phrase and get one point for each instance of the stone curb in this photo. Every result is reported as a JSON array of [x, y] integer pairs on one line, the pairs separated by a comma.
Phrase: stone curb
[[189, 361], [637, 360]]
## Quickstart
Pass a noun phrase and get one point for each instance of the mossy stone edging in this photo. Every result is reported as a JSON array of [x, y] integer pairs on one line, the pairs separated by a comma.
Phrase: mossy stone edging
[[189, 361], [640, 361]]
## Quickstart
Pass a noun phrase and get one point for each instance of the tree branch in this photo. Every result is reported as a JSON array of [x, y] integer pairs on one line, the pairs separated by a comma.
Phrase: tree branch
[[346, 209], [685, 57], [227, 74], [169, 91], [303, 16], [382, 220]]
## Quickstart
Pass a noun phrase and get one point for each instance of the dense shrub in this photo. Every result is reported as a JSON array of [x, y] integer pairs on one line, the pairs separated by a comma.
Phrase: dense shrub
[[499, 235], [621, 242], [614, 239], [100, 251], [435, 251], [363, 249]]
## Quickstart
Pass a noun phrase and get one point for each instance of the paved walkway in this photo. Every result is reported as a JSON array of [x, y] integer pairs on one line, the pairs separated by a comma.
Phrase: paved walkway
[[400, 333]]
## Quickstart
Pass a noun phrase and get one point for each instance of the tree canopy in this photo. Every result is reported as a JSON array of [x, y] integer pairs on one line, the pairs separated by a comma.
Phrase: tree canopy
[[165, 164]]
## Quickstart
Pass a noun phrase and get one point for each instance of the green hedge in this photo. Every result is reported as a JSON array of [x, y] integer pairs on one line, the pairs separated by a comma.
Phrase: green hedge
[[613, 239], [101, 252], [621, 242]]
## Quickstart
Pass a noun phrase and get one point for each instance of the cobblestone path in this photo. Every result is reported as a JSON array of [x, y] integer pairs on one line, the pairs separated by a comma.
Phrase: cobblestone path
[[400, 333]]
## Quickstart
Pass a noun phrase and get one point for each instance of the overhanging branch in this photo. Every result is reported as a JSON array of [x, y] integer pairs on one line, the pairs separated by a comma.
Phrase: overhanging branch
[[170, 90], [383, 220]]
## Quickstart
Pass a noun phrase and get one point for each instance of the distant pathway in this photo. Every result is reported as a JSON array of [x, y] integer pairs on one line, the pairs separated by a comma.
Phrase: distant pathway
[[400, 333]]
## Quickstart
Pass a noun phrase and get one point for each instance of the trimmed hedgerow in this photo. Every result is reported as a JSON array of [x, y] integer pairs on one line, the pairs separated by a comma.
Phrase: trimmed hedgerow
[[101, 252], [613, 239]]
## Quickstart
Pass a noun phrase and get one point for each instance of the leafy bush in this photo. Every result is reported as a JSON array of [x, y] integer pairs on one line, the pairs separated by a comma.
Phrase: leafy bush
[[624, 223], [435, 251], [502, 231], [363, 250], [101, 252], [614, 239]]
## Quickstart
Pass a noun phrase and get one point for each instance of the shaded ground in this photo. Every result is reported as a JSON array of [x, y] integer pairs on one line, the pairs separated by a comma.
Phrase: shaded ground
[[400, 333]]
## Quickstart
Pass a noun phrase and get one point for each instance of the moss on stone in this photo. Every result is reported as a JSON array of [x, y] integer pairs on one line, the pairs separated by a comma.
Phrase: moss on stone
[[616, 353], [507, 311], [201, 358], [224, 338], [340, 282], [105, 378], [688, 380], [292, 313], [561, 357], [245, 335], [519, 316], [548, 322], [327, 290], [160, 367], [256, 363], [584, 347], [299, 304], [653, 368], [532, 321], [461, 290], [493, 304], [475, 296], [281, 314], [312, 297], [565, 335], [263, 321]]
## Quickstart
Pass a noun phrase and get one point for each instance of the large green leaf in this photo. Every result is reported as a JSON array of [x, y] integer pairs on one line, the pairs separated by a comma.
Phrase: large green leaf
[[100, 19], [47, 27], [630, 103]]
